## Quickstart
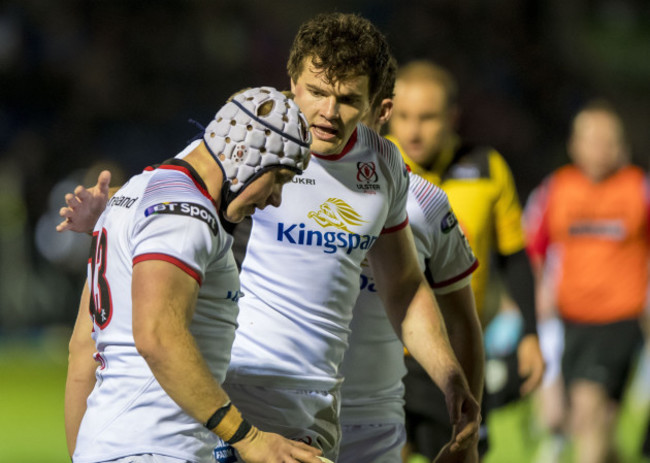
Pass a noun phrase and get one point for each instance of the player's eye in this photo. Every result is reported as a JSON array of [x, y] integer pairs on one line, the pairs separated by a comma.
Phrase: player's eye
[[349, 100]]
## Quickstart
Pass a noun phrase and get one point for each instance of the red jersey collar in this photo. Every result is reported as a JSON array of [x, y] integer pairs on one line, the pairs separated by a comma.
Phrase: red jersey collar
[[348, 146]]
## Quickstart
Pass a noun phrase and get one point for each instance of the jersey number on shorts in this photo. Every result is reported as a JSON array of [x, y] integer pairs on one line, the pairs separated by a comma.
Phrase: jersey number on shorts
[[101, 304]]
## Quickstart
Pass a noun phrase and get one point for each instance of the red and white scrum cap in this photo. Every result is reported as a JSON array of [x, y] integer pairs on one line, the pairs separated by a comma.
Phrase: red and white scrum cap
[[258, 129]]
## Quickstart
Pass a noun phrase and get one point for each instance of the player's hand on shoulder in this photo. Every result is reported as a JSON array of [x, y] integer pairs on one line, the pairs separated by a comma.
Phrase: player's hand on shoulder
[[85, 205], [266, 447]]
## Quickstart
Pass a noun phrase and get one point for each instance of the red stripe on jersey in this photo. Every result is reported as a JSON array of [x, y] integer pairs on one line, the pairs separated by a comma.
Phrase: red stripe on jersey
[[172, 260], [396, 227], [348, 146], [186, 171], [450, 281]]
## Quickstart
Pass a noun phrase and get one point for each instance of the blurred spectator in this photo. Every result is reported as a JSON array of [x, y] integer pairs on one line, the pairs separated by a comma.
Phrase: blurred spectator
[[595, 213]]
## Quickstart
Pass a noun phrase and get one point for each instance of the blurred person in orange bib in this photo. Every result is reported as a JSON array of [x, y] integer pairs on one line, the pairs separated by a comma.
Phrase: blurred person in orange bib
[[592, 215]]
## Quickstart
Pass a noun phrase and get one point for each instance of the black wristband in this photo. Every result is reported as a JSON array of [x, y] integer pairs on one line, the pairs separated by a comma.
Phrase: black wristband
[[241, 432], [217, 416]]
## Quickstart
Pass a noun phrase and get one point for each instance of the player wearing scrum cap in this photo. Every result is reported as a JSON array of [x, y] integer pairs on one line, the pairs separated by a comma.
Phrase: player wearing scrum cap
[[303, 263], [162, 293]]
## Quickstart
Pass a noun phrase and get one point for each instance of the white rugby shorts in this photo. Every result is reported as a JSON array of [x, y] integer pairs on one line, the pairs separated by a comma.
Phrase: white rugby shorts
[[148, 458], [372, 443], [307, 416]]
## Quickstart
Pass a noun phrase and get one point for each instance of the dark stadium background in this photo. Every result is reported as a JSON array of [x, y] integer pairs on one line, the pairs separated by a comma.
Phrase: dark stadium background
[[92, 84]]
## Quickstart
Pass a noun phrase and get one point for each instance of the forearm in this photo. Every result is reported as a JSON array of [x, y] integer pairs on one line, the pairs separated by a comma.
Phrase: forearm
[[163, 305], [78, 386], [412, 308], [464, 329], [182, 372], [521, 287], [178, 364], [425, 336], [81, 373]]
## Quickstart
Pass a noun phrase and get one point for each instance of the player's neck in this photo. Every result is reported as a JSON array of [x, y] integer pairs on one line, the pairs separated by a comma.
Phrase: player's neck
[[207, 168]]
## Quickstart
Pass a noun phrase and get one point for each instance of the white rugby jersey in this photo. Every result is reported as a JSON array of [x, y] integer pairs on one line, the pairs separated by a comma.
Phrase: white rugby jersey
[[373, 365], [162, 214], [303, 261]]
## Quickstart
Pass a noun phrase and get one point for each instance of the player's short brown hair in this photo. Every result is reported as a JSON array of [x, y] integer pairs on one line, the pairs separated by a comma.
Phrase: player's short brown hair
[[343, 46], [387, 90]]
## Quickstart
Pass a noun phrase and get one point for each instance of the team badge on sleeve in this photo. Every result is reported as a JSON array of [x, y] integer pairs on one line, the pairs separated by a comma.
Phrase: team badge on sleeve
[[448, 222], [193, 210]]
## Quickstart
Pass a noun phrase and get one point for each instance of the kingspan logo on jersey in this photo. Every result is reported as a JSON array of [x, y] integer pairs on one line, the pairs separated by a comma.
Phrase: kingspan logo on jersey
[[332, 213]]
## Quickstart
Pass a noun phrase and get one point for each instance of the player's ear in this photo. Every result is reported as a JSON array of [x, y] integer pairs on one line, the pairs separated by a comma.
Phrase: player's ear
[[385, 111], [293, 87]]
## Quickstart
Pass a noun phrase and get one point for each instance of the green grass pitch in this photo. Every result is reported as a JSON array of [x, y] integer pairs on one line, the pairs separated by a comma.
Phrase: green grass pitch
[[32, 381]]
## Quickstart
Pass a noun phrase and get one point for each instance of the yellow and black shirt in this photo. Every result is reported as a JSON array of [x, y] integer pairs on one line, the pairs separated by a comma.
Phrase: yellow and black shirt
[[482, 193]]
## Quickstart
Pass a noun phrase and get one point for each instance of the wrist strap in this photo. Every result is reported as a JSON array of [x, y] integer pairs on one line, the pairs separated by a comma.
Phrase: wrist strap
[[228, 424], [217, 416], [241, 432]]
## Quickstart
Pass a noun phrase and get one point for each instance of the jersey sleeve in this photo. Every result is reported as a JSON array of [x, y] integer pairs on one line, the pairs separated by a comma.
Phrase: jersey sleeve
[[449, 259], [179, 232], [509, 234], [397, 216]]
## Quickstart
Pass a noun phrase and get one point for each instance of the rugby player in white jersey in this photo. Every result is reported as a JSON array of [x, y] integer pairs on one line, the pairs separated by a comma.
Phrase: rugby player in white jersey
[[162, 295], [372, 405], [303, 262], [302, 267]]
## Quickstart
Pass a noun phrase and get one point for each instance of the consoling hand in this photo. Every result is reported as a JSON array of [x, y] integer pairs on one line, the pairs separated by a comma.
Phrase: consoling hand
[[84, 206]]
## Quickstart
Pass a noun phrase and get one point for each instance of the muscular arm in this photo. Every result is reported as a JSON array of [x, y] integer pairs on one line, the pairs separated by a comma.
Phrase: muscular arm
[[81, 372], [458, 309], [163, 304], [520, 284], [164, 298], [413, 311], [410, 304]]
